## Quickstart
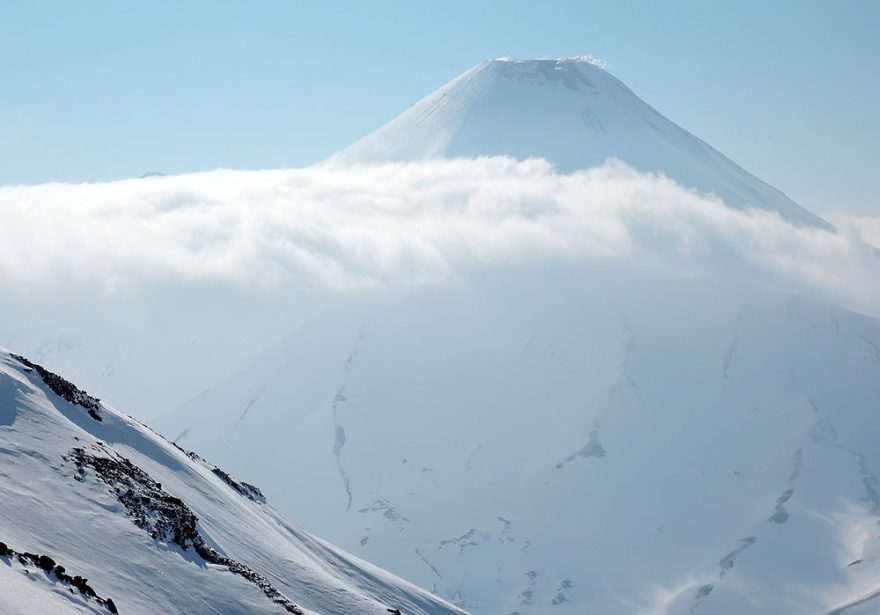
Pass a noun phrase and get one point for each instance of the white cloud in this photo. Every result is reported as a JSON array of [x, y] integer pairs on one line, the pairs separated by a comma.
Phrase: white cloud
[[865, 227], [365, 227]]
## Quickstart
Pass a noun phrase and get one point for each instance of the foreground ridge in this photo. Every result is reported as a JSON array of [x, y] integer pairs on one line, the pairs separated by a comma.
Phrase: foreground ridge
[[153, 525], [165, 517]]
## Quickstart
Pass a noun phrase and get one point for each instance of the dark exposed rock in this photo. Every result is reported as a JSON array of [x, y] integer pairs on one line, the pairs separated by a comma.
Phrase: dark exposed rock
[[247, 490], [82, 584], [190, 454], [160, 514], [64, 388], [47, 564], [704, 590], [167, 518]]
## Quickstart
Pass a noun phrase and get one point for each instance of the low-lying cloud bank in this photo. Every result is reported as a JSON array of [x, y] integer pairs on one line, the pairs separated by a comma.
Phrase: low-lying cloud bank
[[867, 228], [369, 227]]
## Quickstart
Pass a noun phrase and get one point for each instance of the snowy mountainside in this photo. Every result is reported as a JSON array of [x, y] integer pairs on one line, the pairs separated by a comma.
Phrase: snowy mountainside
[[577, 439], [574, 114], [470, 399], [101, 515]]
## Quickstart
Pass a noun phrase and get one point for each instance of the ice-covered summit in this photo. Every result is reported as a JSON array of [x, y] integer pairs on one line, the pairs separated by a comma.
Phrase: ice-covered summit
[[585, 58], [575, 114]]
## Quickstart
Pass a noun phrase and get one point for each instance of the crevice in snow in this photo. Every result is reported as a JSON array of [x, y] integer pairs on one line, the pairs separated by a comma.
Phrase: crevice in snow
[[728, 356], [505, 530], [526, 596], [560, 596], [824, 433], [702, 592], [429, 564], [625, 380], [836, 328], [729, 560], [462, 542], [338, 429], [249, 405], [384, 506], [592, 449], [780, 514], [797, 465], [874, 346]]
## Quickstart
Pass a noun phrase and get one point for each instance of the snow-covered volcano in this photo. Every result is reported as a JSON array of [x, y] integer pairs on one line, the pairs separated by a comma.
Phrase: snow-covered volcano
[[576, 439], [99, 515], [540, 430], [547, 436], [571, 112]]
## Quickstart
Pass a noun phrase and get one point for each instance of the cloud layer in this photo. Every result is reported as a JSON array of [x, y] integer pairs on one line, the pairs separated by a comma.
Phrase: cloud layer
[[370, 227]]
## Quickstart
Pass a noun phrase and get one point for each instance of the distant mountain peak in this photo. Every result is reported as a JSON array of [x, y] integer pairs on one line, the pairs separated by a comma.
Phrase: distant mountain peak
[[577, 59], [573, 73], [571, 112]]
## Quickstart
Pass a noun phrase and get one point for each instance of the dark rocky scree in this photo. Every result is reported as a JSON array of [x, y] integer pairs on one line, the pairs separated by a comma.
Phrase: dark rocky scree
[[251, 492], [164, 516], [48, 565], [246, 489], [64, 388]]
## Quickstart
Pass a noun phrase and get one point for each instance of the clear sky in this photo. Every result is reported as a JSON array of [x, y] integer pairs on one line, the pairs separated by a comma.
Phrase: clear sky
[[94, 90]]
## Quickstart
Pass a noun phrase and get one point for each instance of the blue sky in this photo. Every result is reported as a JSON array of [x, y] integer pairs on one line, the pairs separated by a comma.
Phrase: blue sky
[[102, 90]]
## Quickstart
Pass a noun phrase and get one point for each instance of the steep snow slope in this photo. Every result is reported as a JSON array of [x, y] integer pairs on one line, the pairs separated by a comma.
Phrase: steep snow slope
[[576, 439], [572, 113], [111, 502]]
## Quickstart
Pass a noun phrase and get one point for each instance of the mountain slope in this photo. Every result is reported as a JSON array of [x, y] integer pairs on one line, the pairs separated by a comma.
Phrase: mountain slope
[[572, 113], [570, 439], [547, 436], [99, 514]]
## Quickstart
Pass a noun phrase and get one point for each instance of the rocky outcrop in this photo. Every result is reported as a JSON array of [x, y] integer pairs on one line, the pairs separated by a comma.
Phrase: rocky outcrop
[[57, 573], [64, 388], [165, 517]]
